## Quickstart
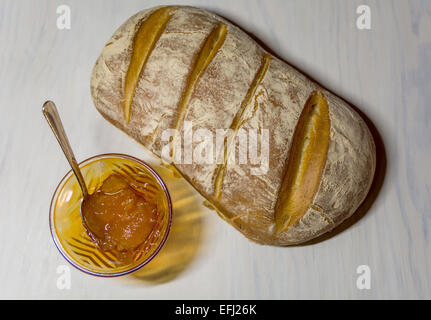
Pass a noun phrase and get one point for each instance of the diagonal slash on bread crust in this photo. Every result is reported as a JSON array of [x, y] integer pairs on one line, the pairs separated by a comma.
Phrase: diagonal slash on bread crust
[[209, 49], [237, 121], [307, 158], [144, 42]]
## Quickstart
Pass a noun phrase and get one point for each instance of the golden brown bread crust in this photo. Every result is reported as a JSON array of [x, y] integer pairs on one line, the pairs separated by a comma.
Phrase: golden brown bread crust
[[246, 201]]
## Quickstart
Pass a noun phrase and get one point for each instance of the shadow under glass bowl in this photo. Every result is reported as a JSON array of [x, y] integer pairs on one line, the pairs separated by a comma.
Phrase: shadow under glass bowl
[[69, 234]]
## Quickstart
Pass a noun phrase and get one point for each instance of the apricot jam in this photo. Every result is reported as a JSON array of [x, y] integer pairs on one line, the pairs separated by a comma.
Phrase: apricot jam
[[118, 217]]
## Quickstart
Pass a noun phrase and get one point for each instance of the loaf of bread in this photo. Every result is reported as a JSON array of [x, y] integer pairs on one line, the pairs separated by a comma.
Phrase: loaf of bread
[[174, 67]]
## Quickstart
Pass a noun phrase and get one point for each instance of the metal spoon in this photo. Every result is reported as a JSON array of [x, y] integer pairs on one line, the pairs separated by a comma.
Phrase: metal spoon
[[50, 112]]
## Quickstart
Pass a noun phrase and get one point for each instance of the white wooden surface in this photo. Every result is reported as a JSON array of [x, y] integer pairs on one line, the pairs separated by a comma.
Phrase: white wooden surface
[[385, 72]]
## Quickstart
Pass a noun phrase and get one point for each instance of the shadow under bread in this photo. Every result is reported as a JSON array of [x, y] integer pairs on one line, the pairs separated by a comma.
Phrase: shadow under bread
[[185, 237]]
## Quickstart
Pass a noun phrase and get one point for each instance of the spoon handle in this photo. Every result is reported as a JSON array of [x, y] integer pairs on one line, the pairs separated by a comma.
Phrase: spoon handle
[[50, 112]]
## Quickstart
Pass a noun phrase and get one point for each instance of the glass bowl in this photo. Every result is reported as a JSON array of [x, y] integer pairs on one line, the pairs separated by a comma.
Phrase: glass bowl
[[69, 234]]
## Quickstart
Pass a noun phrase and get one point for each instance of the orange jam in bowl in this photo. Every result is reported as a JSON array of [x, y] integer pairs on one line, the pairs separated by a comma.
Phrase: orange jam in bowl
[[127, 216]]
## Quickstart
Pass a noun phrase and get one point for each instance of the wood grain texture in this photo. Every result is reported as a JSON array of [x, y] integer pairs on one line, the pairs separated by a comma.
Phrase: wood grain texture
[[385, 72]]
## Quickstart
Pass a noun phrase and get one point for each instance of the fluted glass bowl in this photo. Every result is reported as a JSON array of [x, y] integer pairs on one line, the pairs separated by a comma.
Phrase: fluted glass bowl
[[66, 226]]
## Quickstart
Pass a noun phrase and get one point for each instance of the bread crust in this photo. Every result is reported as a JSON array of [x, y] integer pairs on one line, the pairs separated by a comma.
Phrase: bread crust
[[246, 201]]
